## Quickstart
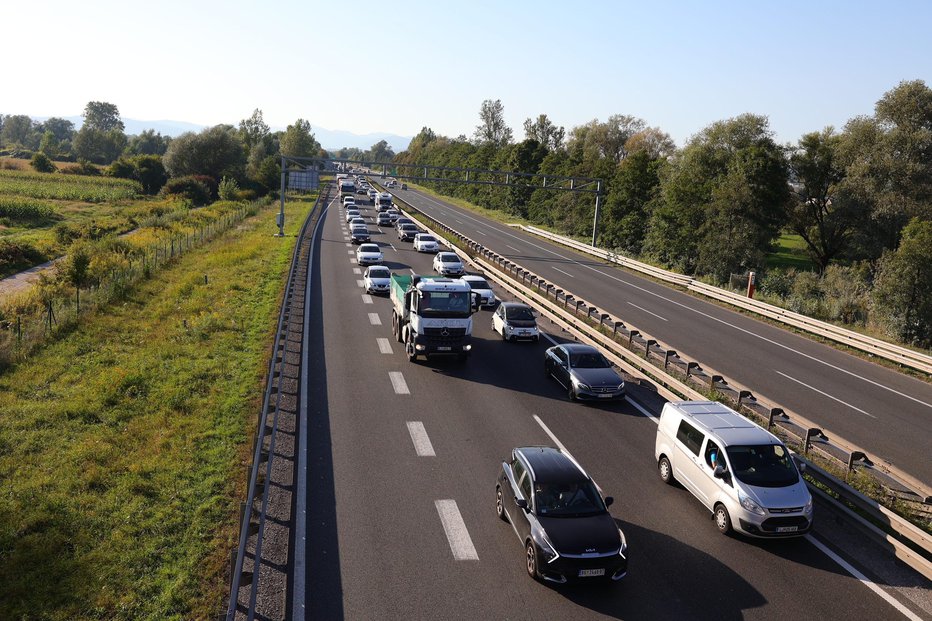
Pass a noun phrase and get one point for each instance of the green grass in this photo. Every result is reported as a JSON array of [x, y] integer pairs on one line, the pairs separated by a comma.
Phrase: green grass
[[790, 252], [122, 444], [67, 187]]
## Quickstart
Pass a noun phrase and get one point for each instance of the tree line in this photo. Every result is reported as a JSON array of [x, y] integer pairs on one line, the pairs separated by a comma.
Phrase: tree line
[[859, 198]]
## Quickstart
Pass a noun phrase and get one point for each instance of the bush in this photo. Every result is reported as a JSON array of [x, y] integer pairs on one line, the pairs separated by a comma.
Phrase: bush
[[122, 168], [41, 163], [211, 184], [15, 255], [188, 188], [82, 168], [150, 173], [778, 283], [228, 190]]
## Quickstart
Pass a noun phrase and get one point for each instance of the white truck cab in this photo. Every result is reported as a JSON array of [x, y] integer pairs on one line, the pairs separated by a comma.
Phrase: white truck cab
[[741, 472]]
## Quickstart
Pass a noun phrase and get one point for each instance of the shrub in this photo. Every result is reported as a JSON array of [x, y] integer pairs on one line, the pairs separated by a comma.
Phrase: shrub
[[778, 282], [247, 195], [845, 292], [228, 189], [188, 188], [150, 173], [211, 184], [41, 163], [122, 168], [17, 254]]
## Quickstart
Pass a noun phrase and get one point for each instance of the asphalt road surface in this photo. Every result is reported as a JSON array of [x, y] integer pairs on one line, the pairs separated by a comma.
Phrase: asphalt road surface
[[402, 465]]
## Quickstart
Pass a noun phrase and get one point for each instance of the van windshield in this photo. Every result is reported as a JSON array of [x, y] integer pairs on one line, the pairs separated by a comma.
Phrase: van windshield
[[762, 465]]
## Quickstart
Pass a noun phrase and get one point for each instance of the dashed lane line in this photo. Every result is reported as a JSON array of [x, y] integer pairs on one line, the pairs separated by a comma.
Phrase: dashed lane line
[[422, 445], [398, 383], [455, 529]]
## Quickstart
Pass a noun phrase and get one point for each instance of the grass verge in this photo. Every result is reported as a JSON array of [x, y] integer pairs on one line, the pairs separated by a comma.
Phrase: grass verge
[[122, 444]]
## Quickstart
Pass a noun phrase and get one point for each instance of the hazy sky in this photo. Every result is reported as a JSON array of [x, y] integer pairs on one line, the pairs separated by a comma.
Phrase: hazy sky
[[397, 66]]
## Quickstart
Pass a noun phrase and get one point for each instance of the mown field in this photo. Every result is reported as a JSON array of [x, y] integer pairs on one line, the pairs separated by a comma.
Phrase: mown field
[[41, 213], [122, 444]]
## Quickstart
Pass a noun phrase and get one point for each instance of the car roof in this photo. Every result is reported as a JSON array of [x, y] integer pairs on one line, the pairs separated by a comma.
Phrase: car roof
[[473, 277], [551, 465], [514, 304], [578, 348]]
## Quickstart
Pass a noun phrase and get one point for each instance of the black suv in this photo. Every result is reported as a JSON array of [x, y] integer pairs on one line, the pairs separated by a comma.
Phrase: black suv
[[560, 517]]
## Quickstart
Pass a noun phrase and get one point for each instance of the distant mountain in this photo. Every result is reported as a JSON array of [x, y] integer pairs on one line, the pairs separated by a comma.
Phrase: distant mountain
[[330, 139]]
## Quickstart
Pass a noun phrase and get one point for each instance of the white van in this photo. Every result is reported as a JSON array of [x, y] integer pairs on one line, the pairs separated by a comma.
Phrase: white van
[[740, 471]]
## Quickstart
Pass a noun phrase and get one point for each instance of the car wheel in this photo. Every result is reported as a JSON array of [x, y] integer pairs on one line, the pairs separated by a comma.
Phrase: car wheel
[[571, 393], [722, 519], [666, 470], [499, 504], [531, 555]]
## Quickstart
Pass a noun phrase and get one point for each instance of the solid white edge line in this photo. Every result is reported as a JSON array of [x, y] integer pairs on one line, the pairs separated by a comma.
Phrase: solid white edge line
[[398, 383], [553, 437], [455, 529], [647, 311], [562, 272], [906, 612], [643, 410], [421, 440], [825, 394]]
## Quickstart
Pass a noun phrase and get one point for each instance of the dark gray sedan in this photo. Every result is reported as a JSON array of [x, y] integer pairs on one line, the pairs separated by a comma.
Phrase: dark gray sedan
[[584, 372]]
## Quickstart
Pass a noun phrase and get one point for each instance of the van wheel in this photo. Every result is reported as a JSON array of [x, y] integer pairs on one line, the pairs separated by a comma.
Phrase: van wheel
[[666, 470], [722, 519]]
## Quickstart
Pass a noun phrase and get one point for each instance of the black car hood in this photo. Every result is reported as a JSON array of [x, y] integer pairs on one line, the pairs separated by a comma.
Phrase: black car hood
[[597, 377], [581, 535]]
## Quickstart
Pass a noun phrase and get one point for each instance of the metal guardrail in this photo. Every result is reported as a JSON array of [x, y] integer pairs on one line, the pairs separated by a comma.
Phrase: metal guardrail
[[895, 353], [253, 519], [539, 291]]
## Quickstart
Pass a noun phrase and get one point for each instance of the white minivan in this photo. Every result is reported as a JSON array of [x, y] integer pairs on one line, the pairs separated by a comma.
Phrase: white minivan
[[740, 471]]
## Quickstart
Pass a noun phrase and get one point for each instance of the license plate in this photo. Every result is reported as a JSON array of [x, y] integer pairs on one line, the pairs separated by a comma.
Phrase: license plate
[[787, 529], [443, 349], [586, 573], [604, 396]]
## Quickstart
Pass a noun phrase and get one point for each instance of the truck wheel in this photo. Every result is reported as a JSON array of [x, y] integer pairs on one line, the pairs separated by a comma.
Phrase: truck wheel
[[412, 354]]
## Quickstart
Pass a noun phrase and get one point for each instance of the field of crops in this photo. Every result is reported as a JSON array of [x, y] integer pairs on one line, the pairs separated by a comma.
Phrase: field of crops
[[66, 187]]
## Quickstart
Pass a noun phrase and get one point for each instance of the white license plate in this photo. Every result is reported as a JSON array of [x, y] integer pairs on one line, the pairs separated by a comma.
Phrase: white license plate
[[787, 529], [443, 349], [586, 573], [604, 396]]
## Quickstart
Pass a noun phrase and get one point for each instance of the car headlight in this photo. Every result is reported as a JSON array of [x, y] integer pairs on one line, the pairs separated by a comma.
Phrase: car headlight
[[808, 507], [749, 504], [547, 550], [579, 384], [621, 386], [624, 545]]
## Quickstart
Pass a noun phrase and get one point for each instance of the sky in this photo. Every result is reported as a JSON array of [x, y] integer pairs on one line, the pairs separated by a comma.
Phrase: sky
[[398, 66]]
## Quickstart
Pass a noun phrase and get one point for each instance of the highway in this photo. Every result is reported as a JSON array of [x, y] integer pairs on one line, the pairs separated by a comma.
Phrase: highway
[[878, 408], [402, 463]]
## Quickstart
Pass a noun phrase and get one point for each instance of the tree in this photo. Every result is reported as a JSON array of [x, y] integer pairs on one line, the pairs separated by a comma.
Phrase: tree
[[299, 141], [902, 293], [148, 143], [655, 143], [16, 130], [627, 205], [149, 172], [100, 147], [380, 152], [102, 116], [76, 272], [41, 163], [253, 129], [62, 129], [822, 216], [492, 128], [215, 152], [606, 140], [544, 132]]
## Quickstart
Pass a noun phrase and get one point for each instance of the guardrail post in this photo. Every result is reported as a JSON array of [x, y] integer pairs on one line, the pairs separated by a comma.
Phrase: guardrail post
[[774, 412], [689, 368], [742, 395], [615, 326], [578, 304], [631, 336], [811, 433], [856, 456], [602, 318], [713, 380], [647, 346], [670, 353]]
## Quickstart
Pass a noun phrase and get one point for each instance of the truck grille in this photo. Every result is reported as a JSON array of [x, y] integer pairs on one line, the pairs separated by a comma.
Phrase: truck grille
[[444, 336]]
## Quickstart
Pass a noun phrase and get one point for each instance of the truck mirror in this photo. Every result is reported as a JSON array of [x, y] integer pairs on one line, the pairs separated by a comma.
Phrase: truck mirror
[[476, 301]]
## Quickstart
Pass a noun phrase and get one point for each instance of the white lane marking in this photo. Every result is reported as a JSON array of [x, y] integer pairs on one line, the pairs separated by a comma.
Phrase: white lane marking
[[422, 445], [512, 247], [862, 578], [375, 320], [398, 383], [647, 413], [360, 283], [826, 394], [392, 246], [350, 251], [555, 439], [480, 232], [455, 529], [549, 338], [347, 244], [366, 298], [346, 237], [647, 311], [413, 273], [356, 270], [353, 260], [384, 346], [562, 272], [458, 220]]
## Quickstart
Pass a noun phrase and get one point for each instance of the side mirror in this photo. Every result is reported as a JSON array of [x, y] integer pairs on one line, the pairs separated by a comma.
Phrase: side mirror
[[719, 472], [802, 467], [476, 302], [521, 503], [609, 500]]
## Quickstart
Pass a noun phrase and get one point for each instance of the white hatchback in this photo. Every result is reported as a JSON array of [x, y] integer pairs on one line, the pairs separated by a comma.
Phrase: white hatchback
[[348, 200], [377, 279], [424, 242], [352, 213], [368, 254], [449, 264], [481, 286]]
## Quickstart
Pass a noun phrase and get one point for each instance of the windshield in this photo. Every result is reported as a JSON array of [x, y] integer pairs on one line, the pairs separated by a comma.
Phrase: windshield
[[519, 312], [449, 258], [588, 361], [427, 238], [762, 465], [378, 273], [368, 248], [567, 499], [478, 284], [444, 303]]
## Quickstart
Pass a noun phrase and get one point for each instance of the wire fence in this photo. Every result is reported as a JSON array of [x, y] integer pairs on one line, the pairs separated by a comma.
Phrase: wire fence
[[58, 309]]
